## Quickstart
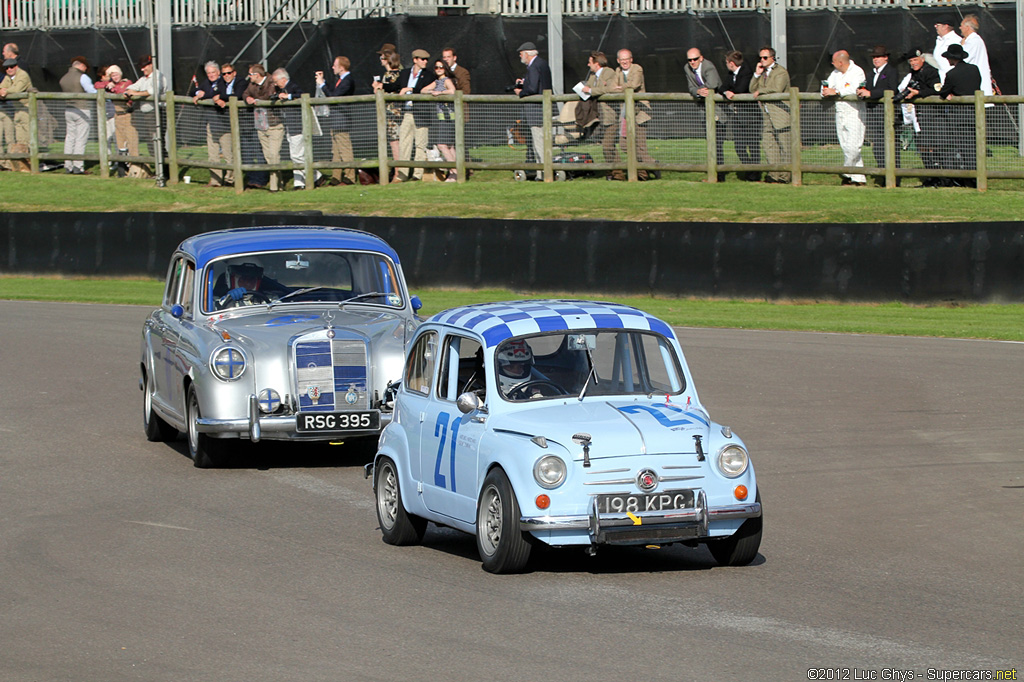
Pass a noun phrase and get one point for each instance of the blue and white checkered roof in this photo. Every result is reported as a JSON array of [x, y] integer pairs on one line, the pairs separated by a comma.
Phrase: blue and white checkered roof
[[499, 321]]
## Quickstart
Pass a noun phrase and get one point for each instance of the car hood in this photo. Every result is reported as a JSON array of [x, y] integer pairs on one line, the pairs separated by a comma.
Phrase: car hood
[[268, 328], [616, 427]]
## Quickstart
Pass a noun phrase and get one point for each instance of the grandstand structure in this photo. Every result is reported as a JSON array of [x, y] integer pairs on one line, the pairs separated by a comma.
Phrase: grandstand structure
[[70, 14]]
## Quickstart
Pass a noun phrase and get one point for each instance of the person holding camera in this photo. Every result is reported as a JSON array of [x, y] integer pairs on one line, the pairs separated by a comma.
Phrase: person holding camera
[[883, 77], [341, 85]]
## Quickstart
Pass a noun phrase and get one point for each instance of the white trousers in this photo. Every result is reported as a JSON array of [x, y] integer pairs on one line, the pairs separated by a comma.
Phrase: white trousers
[[297, 153], [76, 124], [850, 130]]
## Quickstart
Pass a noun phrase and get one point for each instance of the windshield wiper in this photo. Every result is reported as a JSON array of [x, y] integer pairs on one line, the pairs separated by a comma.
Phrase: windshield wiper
[[293, 293], [591, 374], [366, 295]]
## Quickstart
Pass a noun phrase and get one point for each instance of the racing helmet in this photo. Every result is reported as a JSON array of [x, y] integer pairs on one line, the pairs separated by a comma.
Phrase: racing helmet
[[515, 358], [248, 272]]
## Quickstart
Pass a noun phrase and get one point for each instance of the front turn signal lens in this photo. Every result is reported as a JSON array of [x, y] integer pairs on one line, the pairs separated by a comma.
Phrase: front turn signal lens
[[543, 502], [740, 492]]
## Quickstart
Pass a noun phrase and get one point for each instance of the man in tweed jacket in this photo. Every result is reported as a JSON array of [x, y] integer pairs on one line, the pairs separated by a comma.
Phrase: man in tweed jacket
[[770, 77]]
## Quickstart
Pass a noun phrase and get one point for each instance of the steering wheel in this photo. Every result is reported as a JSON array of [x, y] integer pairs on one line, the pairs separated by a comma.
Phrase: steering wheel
[[545, 387], [248, 298]]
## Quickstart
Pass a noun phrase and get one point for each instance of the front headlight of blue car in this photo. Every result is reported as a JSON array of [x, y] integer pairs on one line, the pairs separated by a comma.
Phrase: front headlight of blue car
[[732, 460], [549, 471], [228, 363]]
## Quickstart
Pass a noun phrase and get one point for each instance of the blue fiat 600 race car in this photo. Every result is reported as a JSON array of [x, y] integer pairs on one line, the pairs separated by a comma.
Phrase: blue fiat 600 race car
[[559, 422]]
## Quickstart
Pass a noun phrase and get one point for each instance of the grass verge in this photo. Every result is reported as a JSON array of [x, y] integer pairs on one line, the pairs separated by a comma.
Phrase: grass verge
[[974, 321]]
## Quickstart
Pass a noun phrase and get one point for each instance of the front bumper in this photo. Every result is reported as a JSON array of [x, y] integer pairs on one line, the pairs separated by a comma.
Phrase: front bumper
[[277, 427], [648, 527]]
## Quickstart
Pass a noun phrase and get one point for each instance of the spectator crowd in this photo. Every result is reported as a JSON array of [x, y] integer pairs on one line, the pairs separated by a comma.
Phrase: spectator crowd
[[956, 65]]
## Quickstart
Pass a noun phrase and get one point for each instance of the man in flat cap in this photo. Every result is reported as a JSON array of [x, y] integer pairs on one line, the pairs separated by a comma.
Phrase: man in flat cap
[[536, 81], [883, 76], [415, 128], [947, 35], [14, 115]]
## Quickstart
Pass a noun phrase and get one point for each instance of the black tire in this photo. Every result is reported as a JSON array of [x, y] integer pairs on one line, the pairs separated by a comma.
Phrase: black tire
[[740, 548], [157, 430], [205, 452], [397, 526], [503, 547]]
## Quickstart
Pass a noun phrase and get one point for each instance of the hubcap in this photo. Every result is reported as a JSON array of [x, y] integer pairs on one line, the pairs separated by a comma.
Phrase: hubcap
[[490, 521], [387, 497]]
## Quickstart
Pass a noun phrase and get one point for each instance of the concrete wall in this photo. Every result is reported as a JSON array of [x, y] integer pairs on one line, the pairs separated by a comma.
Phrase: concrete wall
[[879, 262]]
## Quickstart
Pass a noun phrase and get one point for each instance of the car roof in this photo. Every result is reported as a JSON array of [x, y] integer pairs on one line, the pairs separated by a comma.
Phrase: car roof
[[210, 245], [496, 322]]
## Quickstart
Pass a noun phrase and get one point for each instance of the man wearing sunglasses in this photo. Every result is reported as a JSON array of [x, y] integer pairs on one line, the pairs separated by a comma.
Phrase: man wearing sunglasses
[[702, 79], [770, 77]]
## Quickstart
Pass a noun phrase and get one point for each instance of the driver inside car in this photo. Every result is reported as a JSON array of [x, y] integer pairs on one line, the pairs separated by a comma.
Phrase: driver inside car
[[242, 279], [516, 368]]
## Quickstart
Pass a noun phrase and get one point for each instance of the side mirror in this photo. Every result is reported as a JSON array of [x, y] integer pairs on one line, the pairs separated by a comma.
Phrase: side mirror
[[416, 303], [177, 311], [468, 402]]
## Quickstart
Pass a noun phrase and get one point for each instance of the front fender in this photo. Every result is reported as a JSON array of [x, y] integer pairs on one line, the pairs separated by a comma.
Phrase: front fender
[[394, 445]]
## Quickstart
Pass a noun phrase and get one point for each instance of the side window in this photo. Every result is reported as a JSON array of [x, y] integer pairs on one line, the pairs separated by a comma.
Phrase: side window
[[185, 294], [174, 276], [419, 371], [463, 368]]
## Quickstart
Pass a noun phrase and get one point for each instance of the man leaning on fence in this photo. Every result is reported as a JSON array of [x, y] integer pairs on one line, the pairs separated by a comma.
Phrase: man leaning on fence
[[536, 81], [288, 91], [770, 78], [883, 77], [920, 122], [14, 115], [77, 114], [208, 89], [228, 87], [744, 117], [844, 81], [702, 80], [962, 80], [268, 124]]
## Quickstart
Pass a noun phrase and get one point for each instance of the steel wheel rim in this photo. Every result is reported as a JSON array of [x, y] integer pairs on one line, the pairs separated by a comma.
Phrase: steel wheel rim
[[147, 402], [193, 428], [490, 521], [387, 497]]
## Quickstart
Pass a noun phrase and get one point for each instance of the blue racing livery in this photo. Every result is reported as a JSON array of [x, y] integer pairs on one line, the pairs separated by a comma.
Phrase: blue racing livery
[[565, 422]]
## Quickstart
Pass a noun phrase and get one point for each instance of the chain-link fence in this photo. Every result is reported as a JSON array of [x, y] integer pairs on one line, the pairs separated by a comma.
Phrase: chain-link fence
[[315, 140]]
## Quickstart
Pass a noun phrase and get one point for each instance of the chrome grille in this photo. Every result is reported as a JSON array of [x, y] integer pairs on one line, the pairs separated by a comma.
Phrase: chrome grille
[[331, 375]]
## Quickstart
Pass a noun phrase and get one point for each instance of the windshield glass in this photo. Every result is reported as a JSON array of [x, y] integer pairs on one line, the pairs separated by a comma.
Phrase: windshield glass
[[587, 363], [294, 277]]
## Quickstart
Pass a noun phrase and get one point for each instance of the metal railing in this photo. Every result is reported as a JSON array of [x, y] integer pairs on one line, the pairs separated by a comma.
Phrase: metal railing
[[67, 14], [941, 140]]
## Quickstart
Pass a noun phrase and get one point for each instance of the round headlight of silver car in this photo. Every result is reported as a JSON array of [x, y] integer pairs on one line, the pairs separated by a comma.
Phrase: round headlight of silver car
[[228, 363], [549, 471], [732, 460]]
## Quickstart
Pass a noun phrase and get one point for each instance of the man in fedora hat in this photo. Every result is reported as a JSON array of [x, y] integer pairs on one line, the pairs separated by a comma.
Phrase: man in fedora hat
[[945, 29], [883, 76], [78, 114], [962, 79]]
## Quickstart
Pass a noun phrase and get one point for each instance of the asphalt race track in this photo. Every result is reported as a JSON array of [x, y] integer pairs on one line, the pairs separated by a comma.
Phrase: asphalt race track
[[892, 474]]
